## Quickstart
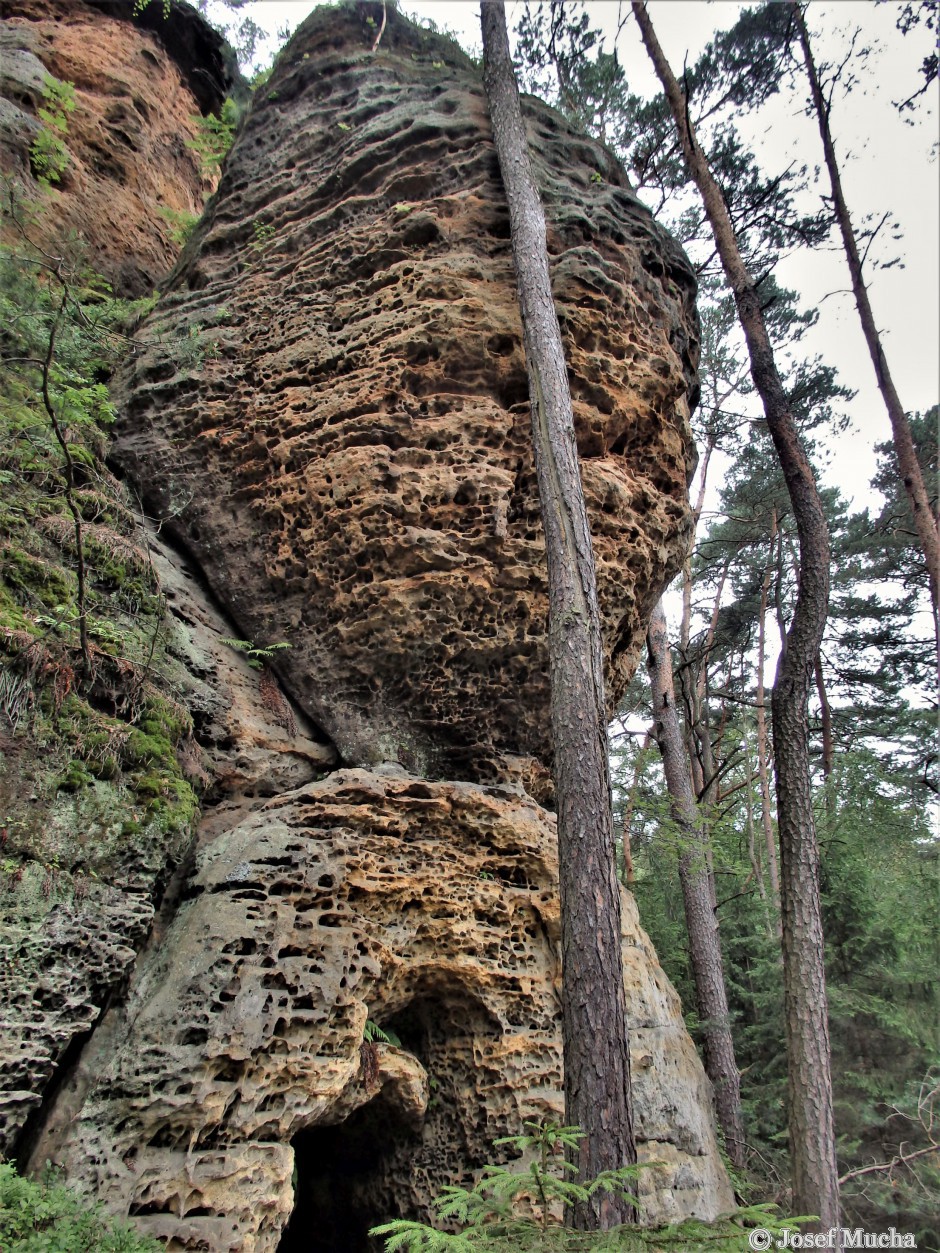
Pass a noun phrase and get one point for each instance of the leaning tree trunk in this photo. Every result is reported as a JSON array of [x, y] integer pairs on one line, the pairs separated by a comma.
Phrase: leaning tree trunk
[[711, 998], [596, 1055], [812, 1134], [926, 522]]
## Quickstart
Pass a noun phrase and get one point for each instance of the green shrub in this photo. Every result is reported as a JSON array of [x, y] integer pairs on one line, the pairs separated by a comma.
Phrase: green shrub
[[519, 1208], [46, 1217], [48, 154]]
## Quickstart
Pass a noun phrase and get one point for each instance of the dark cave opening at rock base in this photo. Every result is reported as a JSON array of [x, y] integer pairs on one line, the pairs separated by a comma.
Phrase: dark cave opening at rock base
[[362, 1172], [337, 1182]]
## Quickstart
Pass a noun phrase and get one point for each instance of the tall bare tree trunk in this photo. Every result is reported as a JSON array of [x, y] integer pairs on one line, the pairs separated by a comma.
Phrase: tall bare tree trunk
[[812, 1134], [626, 836], [701, 727], [763, 754], [825, 714], [772, 918], [925, 521], [596, 1055], [711, 998], [693, 684]]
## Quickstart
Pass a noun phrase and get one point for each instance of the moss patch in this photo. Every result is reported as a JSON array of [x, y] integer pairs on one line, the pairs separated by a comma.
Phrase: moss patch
[[105, 790]]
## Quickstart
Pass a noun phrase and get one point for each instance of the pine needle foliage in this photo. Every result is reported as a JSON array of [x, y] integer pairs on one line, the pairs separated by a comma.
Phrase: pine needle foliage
[[522, 1206]]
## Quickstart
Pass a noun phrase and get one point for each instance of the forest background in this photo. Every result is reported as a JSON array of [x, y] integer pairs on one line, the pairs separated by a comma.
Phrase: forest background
[[874, 714]]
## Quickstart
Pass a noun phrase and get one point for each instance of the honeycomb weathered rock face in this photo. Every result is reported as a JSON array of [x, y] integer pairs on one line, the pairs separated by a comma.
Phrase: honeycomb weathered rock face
[[137, 94], [332, 414], [66, 955], [349, 457], [429, 908]]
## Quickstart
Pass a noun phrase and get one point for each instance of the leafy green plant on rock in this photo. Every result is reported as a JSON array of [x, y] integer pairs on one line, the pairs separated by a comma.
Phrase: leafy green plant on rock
[[261, 235], [140, 5], [215, 135], [372, 1033], [47, 1217], [181, 224], [48, 155], [256, 654]]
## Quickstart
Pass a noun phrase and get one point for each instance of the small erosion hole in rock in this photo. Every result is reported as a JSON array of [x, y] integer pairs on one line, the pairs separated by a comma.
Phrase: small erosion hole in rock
[[344, 1181]]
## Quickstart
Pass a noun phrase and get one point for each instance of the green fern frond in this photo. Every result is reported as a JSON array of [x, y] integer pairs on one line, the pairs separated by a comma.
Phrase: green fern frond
[[372, 1033], [402, 1236]]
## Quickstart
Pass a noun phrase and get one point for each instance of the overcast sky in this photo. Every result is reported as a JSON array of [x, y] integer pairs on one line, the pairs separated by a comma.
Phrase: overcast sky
[[892, 167]]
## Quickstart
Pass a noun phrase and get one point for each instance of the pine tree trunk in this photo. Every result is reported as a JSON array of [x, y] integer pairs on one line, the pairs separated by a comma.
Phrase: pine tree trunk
[[763, 754], [812, 1134], [626, 837], [752, 846], [701, 729], [825, 715], [926, 523], [711, 999], [596, 1056]]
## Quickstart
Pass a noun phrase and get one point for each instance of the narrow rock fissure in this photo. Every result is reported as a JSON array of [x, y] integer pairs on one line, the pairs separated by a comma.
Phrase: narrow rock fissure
[[26, 1142]]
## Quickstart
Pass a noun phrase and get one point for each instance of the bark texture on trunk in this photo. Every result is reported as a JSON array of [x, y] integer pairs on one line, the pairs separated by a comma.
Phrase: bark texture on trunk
[[630, 809], [596, 1056], [763, 754], [925, 520], [701, 746], [711, 998], [812, 1134]]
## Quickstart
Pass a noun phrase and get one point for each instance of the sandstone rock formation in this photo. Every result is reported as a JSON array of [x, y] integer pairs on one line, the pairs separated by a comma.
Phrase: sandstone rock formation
[[137, 92], [350, 461], [65, 959], [430, 908], [85, 867], [342, 450]]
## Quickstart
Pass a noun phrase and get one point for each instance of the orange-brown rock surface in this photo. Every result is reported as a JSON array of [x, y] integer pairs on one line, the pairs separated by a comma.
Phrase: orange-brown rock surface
[[137, 92], [350, 460]]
